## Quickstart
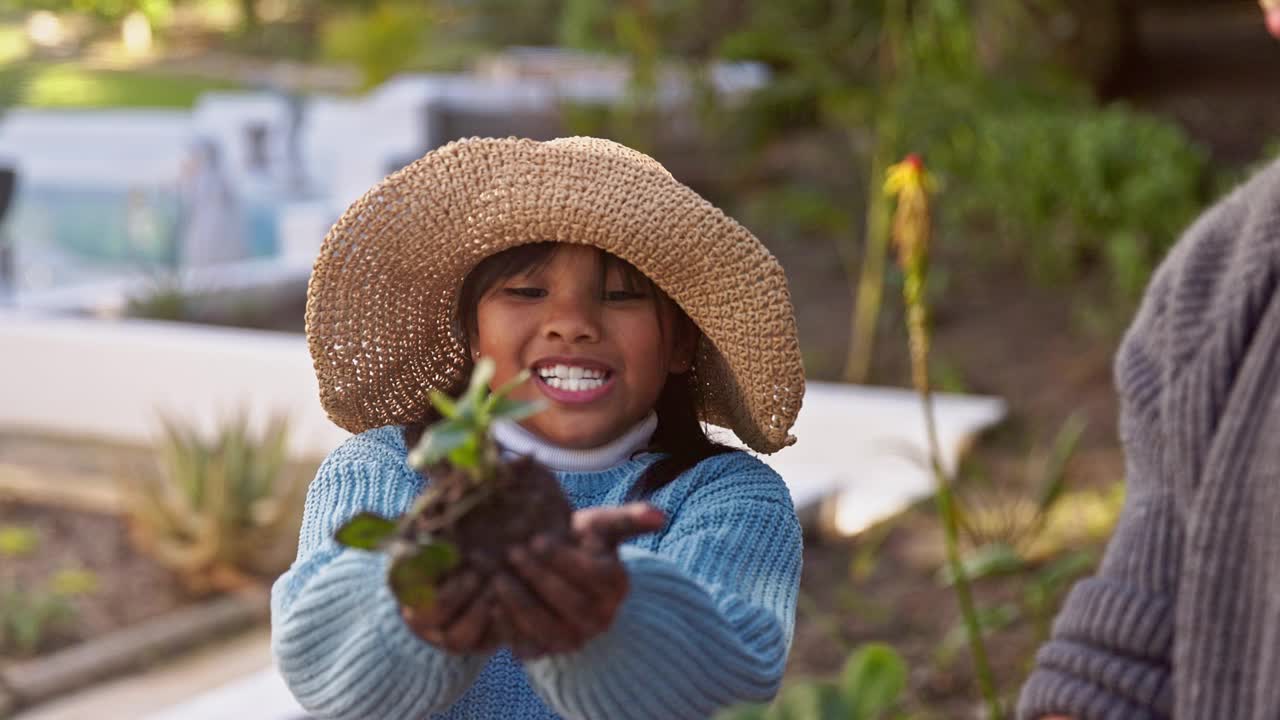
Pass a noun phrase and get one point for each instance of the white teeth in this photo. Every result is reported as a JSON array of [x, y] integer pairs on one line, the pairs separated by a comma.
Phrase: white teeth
[[573, 384], [569, 372]]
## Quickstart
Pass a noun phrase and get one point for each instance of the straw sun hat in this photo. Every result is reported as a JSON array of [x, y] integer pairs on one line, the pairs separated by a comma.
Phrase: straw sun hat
[[381, 303]]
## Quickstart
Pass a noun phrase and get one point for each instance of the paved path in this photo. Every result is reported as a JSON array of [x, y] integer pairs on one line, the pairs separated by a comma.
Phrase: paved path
[[169, 685]]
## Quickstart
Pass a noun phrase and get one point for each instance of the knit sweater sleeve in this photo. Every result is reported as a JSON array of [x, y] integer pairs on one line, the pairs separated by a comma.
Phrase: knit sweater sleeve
[[1110, 655], [336, 631], [709, 617]]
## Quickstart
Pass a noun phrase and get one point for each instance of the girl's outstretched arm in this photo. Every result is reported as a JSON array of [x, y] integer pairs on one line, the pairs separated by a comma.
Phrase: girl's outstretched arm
[[336, 631], [708, 619]]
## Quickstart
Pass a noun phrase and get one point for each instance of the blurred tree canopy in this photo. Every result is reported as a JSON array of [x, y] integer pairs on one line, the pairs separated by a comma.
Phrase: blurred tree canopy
[[155, 10], [997, 94]]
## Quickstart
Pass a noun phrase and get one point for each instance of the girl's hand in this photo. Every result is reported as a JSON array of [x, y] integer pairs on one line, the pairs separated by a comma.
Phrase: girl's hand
[[572, 587], [460, 620]]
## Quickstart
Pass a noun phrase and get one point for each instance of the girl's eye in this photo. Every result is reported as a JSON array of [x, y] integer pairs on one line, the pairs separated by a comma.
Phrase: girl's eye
[[623, 295], [524, 292]]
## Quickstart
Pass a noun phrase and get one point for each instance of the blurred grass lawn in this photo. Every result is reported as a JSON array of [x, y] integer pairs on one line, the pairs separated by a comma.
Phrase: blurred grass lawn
[[13, 43], [69, 85]]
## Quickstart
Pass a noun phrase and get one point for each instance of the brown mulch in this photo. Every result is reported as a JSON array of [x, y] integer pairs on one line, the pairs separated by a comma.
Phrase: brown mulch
[[130, 587]]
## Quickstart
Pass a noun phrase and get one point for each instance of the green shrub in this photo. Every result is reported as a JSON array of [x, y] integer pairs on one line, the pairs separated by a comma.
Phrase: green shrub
[[30, 617], [219, 510], [1069, 190], [869, 688]]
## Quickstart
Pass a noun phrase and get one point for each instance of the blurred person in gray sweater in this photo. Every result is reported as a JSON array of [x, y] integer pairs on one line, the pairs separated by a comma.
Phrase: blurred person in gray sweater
[[1182, 619]]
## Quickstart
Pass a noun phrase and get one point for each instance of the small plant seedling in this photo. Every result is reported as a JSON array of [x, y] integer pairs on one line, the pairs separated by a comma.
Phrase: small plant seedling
[[16, 541], [476, 504]]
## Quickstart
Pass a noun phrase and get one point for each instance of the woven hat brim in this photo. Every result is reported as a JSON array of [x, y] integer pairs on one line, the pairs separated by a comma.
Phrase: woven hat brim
[[381, 299]]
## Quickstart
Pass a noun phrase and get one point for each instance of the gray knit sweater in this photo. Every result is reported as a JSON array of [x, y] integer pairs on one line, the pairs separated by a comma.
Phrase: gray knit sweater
[[1183, 618]]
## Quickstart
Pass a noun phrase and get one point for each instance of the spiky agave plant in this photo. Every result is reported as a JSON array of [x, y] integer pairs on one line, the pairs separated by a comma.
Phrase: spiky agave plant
[[476, 504]]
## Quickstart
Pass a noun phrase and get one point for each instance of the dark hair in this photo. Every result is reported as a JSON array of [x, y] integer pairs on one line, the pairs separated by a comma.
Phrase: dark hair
[[679, 433]]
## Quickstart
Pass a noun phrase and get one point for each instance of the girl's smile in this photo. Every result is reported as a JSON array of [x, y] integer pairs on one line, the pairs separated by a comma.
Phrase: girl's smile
[[599, 339], [573, 380]]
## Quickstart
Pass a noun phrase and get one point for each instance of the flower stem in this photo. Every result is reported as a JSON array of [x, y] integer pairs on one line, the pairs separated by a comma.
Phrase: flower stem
[[947, 511], [911, 229]]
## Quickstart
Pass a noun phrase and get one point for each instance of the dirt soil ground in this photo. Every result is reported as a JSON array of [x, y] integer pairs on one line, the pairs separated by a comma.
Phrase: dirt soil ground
[[127, 587]]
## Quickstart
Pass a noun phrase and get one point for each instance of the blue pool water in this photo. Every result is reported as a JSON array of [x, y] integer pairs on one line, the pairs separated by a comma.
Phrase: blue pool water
[[65, 235]]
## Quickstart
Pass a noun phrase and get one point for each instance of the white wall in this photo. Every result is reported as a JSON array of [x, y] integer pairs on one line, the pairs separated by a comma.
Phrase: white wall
[[864, 447], [112, 378]]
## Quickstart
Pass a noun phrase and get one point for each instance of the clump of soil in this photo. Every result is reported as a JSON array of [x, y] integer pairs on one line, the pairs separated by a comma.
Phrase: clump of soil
[[476, 505], [522, 499]]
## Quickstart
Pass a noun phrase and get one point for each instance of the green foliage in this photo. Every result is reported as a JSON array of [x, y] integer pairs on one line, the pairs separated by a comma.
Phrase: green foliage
[[869, 688], [29, 618], [1071, 189], [163, 298], [1002, 523], [1007, 533], [987, 561], [220, 508], [1042, 588], [872, 681], [413, 577], [365, 531], [14, 45], [16, 541], [111, 10], [462, 440], [1033, 170], [462, 436], [74, 582], [70, 85], [381, 41]]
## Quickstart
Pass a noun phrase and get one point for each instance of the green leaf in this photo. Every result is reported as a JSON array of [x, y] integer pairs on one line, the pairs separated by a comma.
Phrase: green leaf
[[744, 712], [16, 540], [987, 561], [74, 582], [808, 700], [507, 409], [990, 619], [366, 531], [444, 404], [413, 577], [872, 680], [466, 454], [1064, 446], [481, 376], [438, 442], [1062, 570]]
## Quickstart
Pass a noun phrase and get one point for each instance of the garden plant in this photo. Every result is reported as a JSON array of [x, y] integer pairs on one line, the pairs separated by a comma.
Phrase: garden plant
[[477, 504]]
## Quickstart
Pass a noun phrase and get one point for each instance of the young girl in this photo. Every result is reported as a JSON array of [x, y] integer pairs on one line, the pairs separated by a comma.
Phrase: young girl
[[642, 311]]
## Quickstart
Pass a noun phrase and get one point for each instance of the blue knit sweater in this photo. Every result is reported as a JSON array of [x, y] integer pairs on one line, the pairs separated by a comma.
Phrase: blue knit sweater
[[707, 622]]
